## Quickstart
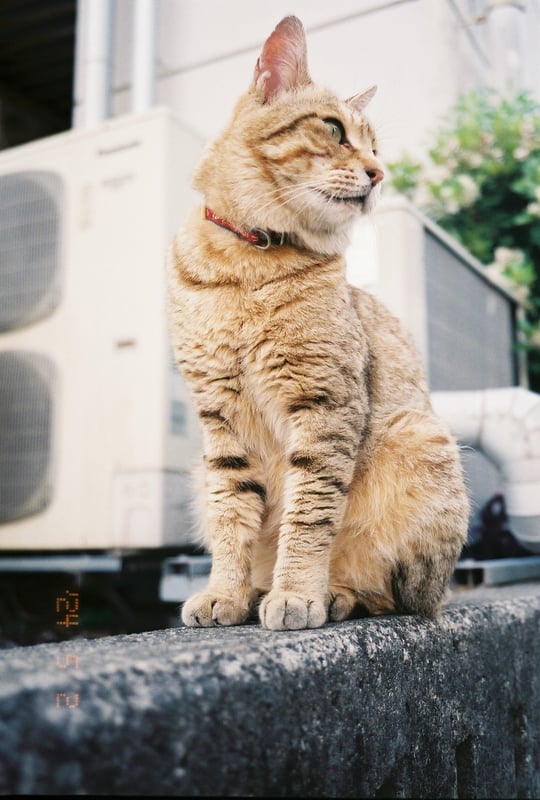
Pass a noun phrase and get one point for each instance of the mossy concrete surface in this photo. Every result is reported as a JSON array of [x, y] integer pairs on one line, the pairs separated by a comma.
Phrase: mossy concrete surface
[[388, 707]]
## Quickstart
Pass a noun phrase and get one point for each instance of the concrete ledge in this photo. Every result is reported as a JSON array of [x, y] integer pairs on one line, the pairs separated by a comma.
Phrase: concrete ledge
[[389, 707]]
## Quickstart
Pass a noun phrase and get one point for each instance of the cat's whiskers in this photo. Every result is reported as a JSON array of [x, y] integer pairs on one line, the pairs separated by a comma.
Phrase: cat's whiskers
[[324, 188], [280, 196], [285, 193], [285, 196]]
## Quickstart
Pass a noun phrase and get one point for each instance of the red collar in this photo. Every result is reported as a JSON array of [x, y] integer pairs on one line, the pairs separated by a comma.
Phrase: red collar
[[257, 237]]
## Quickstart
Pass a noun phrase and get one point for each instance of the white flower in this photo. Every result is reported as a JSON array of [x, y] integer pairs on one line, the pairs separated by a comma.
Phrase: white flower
[[452, 207], [521, 153], [497, 153], [469, 191], [447, 199], [437, 174], [534, 209], [505, 256], [537, 193], [495, 272], [472, 159], [520, 292]]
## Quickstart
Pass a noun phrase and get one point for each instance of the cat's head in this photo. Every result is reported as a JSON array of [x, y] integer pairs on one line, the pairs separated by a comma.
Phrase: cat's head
[[294, 158]]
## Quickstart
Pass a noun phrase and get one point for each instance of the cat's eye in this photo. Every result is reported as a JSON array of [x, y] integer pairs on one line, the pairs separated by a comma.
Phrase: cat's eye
[[335, 129]]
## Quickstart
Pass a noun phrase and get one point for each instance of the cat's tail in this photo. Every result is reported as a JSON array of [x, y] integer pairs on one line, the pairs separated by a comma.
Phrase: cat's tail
[[420, 586]]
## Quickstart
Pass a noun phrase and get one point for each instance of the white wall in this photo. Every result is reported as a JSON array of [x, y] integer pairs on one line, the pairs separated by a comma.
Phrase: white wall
[[421, 53]]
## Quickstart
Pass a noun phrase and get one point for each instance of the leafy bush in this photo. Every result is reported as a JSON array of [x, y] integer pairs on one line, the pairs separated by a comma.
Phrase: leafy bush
[[481, 183]]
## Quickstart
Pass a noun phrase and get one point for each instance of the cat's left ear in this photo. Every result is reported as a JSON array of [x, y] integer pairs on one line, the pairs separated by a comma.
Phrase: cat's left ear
[[360, 101], [282, 64]]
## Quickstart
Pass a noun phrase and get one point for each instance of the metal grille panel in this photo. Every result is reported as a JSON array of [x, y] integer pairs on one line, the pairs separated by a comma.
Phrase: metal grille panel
[[26, 419], [30, 239], [470, 325]]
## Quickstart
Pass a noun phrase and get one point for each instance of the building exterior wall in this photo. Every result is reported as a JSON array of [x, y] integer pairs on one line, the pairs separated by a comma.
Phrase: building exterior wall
[[421, 53]]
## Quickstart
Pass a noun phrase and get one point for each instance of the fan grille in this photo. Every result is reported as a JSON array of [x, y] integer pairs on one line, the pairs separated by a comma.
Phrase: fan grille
[[470, 326], [30, 237], [26, 420]]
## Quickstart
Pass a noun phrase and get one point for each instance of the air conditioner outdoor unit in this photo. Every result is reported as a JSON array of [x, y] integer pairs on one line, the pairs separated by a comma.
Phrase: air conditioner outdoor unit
[[97, 434], [463, 323]]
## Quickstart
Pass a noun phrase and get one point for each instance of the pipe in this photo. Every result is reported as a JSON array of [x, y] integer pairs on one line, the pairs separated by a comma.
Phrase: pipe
[[506, 46], [143, 55], [505, 425], [97, 58]]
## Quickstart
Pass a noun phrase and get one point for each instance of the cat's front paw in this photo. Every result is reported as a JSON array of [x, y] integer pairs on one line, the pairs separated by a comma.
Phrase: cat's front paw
[[286, 611], [206, 610]]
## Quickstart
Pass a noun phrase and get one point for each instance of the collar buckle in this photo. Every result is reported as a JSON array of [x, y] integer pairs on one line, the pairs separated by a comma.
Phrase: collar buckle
[[265, 240]]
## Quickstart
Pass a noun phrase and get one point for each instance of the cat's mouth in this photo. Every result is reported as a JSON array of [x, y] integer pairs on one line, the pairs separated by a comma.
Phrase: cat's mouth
[[356, 199]]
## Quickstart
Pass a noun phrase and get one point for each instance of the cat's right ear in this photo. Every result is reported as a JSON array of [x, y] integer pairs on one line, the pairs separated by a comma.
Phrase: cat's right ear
[[282, 64]]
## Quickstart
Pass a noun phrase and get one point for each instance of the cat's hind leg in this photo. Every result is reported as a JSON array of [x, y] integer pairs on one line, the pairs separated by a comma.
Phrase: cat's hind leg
[[405, 523]]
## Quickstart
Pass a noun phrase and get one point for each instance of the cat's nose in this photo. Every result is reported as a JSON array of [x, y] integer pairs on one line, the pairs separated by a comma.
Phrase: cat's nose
[[375, 175]]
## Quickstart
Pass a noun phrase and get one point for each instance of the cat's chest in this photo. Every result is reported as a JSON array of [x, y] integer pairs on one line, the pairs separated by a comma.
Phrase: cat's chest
[[255, 355], [252, 328], [244, 330], [228, 318]]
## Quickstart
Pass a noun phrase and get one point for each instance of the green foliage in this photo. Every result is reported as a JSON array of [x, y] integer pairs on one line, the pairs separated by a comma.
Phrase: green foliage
[[481, 183]]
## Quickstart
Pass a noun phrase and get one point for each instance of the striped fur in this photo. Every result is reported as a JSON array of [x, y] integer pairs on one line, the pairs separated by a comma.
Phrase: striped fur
[[327, 483]]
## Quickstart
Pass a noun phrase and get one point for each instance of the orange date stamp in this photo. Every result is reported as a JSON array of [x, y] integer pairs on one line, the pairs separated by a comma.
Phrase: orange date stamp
[[67, 605], [70, 606]]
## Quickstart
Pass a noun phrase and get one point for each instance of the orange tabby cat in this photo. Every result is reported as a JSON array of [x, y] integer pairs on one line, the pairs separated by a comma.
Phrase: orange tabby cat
[[328, 481]]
